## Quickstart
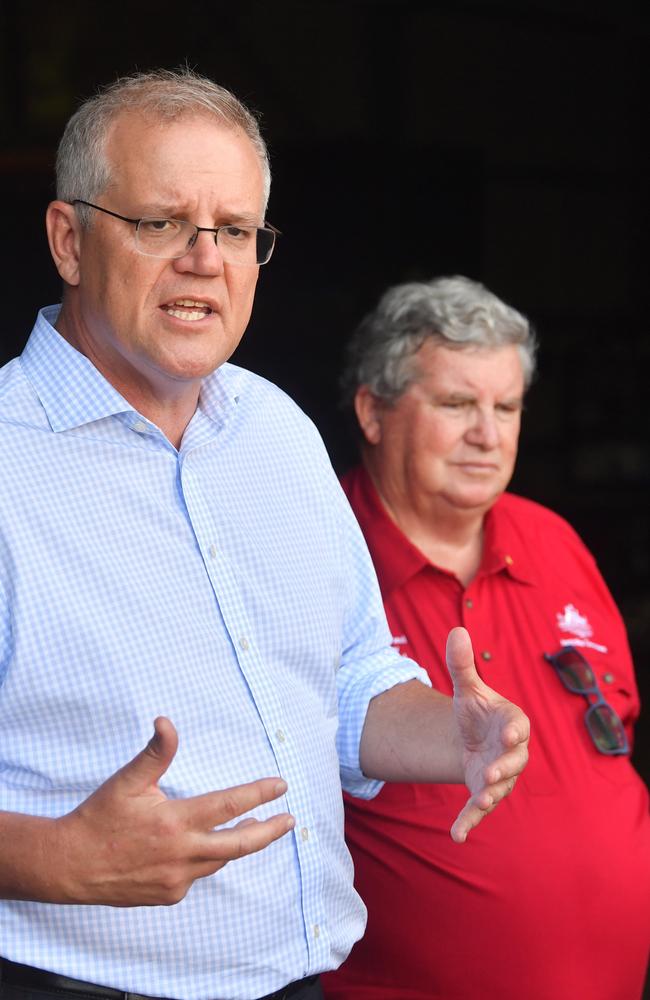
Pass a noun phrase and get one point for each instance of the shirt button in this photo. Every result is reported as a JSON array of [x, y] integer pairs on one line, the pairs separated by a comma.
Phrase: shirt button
[[280, 736], [469, 603], [316, 930], [608, 678], [509, 560], [244, 643], [486, 654], [304, 833], [213, 551], [140, 427]]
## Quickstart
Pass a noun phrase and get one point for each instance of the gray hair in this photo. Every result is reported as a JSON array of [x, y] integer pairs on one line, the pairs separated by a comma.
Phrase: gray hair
[[456, 312], [82, 167]]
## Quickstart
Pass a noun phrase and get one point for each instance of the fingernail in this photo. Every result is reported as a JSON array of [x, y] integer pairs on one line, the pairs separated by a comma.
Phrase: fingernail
[[280, 788]]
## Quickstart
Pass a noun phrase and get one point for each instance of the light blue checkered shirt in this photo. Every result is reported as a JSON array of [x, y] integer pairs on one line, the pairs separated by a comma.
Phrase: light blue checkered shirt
[[226, 586]]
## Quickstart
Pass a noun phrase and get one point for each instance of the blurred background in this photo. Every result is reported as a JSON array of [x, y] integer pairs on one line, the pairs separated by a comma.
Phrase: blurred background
[[501, 140]]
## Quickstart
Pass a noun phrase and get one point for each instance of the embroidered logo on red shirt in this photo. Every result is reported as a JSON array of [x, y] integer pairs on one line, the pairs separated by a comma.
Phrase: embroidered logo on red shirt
[[400, 640], [570, 620]]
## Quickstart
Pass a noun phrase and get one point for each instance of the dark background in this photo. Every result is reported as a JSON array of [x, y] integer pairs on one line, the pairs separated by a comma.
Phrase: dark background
[[502, 140]]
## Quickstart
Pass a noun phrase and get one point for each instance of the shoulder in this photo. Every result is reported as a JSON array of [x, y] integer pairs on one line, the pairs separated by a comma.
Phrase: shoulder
[[539, 527], [267, 405], [19, 404]]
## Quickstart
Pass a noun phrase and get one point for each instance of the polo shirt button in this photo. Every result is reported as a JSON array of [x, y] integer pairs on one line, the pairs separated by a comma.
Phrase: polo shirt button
[[469, 603], [608, 678], [486, 654]]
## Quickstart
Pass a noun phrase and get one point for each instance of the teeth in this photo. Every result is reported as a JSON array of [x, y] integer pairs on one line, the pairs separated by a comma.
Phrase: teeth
[[186, 315], [190, 302]]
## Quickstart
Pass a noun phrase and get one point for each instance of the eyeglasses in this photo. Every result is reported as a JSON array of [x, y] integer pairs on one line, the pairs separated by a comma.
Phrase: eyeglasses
[[171, 239], [604, 725]]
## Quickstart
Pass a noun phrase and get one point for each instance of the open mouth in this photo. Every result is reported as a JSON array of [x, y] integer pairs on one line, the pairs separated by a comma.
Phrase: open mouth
[[190, 310]]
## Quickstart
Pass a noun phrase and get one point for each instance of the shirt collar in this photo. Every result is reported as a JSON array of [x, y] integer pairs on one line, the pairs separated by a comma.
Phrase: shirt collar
[[397, 559], [504, 550], [73, 392]]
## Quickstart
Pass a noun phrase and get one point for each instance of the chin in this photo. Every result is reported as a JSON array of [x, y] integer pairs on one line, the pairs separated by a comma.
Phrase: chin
[[476, 499], [191, 368]]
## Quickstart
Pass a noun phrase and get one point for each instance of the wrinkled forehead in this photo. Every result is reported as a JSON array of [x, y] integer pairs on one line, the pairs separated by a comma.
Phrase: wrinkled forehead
[[134, 133], [182, 158], [468, 363]]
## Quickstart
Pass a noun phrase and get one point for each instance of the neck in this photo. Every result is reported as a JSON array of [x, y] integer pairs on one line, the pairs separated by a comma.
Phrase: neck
[[450, 537], [167, 402]]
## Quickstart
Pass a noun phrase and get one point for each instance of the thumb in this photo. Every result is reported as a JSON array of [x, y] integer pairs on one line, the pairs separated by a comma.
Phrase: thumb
[[460, 661], [148, 767]]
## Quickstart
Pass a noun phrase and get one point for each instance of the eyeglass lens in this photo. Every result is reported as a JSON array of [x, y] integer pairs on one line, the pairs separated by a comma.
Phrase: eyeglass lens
[[574, 671], [172, 238], [606, 728]]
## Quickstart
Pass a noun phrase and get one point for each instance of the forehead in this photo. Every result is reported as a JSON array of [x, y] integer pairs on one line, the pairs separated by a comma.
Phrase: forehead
[[470, 369], [189, 158]]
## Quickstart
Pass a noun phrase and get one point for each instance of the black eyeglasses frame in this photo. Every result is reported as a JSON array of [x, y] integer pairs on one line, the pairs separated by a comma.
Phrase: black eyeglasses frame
[[198, 229]]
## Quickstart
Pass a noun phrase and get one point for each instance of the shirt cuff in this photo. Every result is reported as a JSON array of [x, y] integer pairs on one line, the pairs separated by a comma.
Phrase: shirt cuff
[[392, 669]]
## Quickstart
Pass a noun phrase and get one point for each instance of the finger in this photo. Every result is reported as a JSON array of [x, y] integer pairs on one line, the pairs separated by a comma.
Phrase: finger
[[490, 796], [508, 765], [460, 661], [468, 818], [203, 812], [214, 850], [147, 767]]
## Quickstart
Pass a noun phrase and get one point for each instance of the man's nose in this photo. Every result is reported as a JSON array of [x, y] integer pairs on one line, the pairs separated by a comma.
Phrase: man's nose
[[204, 256], [484, 430]]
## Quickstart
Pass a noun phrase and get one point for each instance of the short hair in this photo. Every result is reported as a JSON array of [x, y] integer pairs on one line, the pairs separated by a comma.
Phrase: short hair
[[82, 167], [455, 312]]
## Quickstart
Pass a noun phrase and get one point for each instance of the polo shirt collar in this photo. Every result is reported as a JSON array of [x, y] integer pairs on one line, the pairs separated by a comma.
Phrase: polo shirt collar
[[397, 559], [73, 392], [503, 549]]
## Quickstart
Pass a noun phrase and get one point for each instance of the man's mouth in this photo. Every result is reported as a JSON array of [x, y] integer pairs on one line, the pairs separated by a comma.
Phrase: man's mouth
[[190, 310]]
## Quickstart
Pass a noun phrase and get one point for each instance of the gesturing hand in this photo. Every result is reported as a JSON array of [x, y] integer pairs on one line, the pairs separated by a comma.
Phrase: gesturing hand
[[128, 845], [493, 734]]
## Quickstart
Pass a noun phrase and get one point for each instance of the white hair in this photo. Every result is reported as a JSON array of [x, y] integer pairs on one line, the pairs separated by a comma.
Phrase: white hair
[[82, 167], [456, 312]]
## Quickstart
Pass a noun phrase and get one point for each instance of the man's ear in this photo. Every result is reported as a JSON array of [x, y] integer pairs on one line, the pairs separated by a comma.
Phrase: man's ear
[[64, 236], [367, 407]]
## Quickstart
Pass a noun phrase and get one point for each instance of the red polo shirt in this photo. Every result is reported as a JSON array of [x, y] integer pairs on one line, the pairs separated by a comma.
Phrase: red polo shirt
[[550, 897]]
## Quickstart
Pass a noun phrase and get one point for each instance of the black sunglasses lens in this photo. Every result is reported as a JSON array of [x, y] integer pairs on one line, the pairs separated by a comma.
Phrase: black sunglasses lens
[[606, 728], [574, 670]]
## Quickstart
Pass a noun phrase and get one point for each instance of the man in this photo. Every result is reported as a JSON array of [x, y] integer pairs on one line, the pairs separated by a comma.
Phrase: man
[[159, 521], [552, 898]]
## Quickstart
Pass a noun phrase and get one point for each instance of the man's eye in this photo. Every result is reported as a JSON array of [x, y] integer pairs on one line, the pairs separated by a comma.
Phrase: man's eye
[[237, 233], [151, 226]]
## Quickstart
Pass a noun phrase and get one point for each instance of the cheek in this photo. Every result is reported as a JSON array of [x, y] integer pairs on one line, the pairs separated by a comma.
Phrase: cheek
[[241, 291], [511, 441], [444, 439]]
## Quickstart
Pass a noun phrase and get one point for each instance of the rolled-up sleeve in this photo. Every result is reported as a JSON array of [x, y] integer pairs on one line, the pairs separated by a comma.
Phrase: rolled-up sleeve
[[369, 663]]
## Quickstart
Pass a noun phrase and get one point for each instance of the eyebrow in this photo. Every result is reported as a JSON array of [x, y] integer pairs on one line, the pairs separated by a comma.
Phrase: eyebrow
[[467, 397], [159, 211]]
